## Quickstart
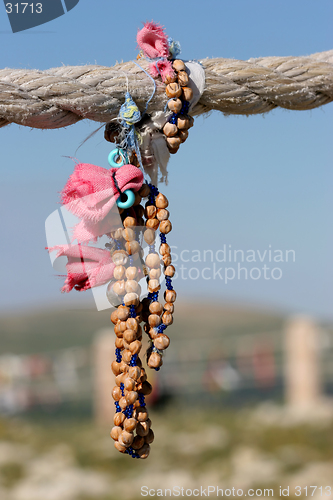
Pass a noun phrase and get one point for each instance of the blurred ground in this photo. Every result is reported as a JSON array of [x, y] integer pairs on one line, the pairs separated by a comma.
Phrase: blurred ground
[[74, 460]]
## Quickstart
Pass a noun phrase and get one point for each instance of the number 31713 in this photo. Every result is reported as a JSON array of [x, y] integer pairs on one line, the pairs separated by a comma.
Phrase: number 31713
[[21, 8]]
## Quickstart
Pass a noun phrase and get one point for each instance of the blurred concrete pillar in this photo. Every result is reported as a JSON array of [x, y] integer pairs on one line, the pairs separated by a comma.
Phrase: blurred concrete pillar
[[302, 363], [104, 354]]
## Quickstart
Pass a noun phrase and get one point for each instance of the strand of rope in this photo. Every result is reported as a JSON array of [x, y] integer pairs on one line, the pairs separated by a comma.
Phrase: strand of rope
[[62, 96]]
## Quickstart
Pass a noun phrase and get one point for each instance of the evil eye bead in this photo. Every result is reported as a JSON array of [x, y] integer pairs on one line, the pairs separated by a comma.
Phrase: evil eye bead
[[126, 200], [116, 159]]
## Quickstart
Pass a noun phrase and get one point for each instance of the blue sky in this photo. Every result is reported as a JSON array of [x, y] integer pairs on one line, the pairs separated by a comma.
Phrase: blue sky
[[254, 183]]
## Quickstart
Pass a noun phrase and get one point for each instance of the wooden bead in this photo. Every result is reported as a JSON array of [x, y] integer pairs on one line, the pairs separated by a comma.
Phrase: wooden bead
[[150, 437], [173, 142], [144, 191], [129, 222], [114, 317], [156, 308], [169, 307], [142, 428], [172, 151], [119, 272], [153, 286], [131, 397], [119, 343], [162, 214], [119, 287], [183, 79], [132, 286], [152, 224], [173, 90], [118, 418], [170, 78], [131, 299], [120, 447], [175, 105], [169, 271], [154, 320], [127, 355], [152, 333], [146, 388], [131, 273], [117, 234], [126, 437], [155, 360], [123, 366], [178, 65], [129, 336], [161, 201], [119, 257], [149, 236], [128, 234], [115, 432], [132, 247], [119, 328], [137, 199], [170, 295], [191, 120], [183, 123], [143, 376], [129, 384], [187, 93], [138, 442], [139, 210], [116, 393], [135, 346], [125, 344], [122, 403], [167, 260], [132, 324], [165, 249], [115, 367], [183, 135], [144, 451], [130, 424], [165, 226], [134, 372], [150, 211], [123, 312], [162, 341], [153, 260], [170, 129], [155, 274], [120, 379], [167, 318], [140, 413]]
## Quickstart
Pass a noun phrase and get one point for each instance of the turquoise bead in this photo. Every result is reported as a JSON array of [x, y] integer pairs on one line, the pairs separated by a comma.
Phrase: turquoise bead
[[116, 154], [130, 199]]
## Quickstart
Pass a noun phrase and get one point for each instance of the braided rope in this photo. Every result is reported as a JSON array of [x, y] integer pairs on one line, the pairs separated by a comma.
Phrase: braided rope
[[59, 97]]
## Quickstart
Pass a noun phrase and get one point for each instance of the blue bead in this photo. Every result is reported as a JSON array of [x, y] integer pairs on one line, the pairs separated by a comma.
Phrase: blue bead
[[129, 201], [113, 156]]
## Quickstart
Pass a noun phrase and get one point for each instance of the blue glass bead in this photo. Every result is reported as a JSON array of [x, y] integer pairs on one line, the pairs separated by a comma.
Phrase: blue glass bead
[[116, 158], [128, 202]]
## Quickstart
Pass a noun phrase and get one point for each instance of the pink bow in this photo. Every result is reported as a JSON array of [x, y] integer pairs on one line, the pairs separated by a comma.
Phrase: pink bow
[[86, 267], [91, 193]]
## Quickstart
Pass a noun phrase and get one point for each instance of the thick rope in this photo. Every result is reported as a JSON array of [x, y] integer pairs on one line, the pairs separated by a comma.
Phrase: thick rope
[[62, 96]]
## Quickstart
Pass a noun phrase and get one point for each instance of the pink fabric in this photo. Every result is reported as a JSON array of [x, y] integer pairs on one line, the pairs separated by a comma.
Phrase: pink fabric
[[90, 192], [153, 41], [86, 267], [164, 68]]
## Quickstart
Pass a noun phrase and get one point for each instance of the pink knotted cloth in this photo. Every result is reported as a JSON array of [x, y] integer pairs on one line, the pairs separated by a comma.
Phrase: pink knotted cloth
[[91, 193], [153, 42], [86, 267]]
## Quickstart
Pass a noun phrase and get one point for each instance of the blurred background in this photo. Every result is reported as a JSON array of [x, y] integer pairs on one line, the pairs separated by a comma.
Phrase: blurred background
[[244, 395]]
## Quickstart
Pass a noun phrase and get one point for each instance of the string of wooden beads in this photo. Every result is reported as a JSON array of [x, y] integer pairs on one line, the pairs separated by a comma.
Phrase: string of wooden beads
[[158, 317], [132, 431], [179, 93]]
